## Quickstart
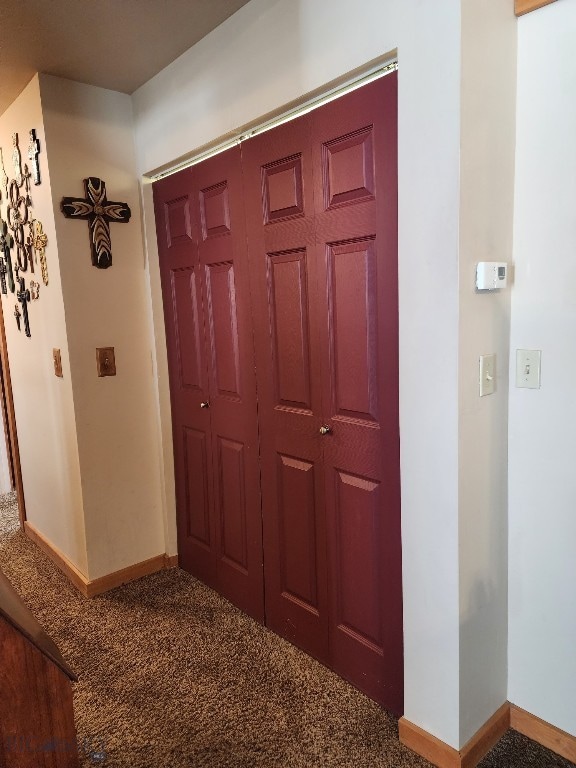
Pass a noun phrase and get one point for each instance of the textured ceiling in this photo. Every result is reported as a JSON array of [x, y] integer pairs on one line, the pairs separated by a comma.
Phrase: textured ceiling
[[117, 44]]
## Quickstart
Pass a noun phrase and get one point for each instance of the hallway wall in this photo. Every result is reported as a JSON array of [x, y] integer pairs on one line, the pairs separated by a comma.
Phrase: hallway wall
[[487, 139], [89, 132], [88, 445], [43, 403], [542, 489]]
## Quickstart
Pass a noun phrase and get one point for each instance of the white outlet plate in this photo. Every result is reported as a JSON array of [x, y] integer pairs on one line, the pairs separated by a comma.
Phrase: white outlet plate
[[487, 375], [528, 368]]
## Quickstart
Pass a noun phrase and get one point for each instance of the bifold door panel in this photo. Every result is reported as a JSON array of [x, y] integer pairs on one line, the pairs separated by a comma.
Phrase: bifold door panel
[[282, 334], [355, 192], [279, 199], [203, 266]]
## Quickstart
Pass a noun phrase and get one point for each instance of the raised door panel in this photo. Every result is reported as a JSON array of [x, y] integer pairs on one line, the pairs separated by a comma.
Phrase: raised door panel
[[195, 471], [177, 218], [297, 532], [188, 332], [352, 330], [182, 290], [356, 250], [288, 299], [348, 168], [232, 383], [215, 210], [280, 225], [232, 504], [223, 325], [358, 529]]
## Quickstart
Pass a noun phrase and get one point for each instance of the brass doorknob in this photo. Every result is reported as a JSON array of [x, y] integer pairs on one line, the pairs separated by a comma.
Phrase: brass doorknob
[[325, 429], [205, 404]]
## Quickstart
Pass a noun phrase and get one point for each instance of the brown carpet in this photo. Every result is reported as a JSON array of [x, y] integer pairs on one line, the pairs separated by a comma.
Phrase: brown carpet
[[173, 676]]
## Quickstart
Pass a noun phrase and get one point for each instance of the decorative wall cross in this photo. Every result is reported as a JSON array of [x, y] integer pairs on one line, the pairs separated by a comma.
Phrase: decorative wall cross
[[3, 175], [99, 212], [3, 270], [6, 242], [18, 213], [39, 243], [33, 152], [23, 296], [17, 160]]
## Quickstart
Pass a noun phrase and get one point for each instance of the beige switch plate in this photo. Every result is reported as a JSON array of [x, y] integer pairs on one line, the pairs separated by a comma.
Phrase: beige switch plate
[[105, 361], [487, 375], [57, 357], [528, 368]]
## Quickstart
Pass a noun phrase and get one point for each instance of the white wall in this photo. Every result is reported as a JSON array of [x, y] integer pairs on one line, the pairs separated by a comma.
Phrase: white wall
[[89, 132], [43, 404], [268, 54], [488, 110], [5, 479], [542, 492]]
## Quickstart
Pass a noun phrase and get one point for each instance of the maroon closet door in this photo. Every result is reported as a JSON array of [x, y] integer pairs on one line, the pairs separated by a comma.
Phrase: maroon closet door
[[232, 383], [184, 316], [203, 263], [322, 230], [280, 218], [355, 187]]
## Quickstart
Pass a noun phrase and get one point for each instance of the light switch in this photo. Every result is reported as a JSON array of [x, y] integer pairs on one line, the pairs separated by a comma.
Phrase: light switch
[[487, 375], [105, 361], [528, 368]]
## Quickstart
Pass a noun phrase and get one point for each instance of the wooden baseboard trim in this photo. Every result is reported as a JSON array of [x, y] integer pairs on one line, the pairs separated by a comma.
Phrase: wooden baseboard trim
[[525, 6], [543, 733], [91, 588], [133, 572], [484, 739], [441, 754], [427, 746], [58, 558]]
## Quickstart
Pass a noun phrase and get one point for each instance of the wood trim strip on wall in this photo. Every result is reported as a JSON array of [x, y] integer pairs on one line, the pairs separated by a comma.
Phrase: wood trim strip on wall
[[427, 746], [484, 739], [508, 716], [525, 6], [170, 561], [13, 435], [116, 579], [58, 558], [441, 754], [543, 733], [104, 583]]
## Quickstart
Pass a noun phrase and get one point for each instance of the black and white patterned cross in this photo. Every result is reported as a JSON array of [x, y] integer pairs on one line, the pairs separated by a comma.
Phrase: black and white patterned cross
[[17, 160], [3, 174], [23, 296], [6, 242], [3, 270], [98, 211], [33, 152]]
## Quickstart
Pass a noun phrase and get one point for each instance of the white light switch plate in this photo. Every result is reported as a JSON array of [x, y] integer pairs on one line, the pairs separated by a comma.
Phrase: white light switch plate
[[528, 368], [487, 375]]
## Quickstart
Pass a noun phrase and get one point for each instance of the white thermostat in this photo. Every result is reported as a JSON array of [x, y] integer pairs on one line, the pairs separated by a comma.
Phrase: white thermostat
[[491, 275]]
